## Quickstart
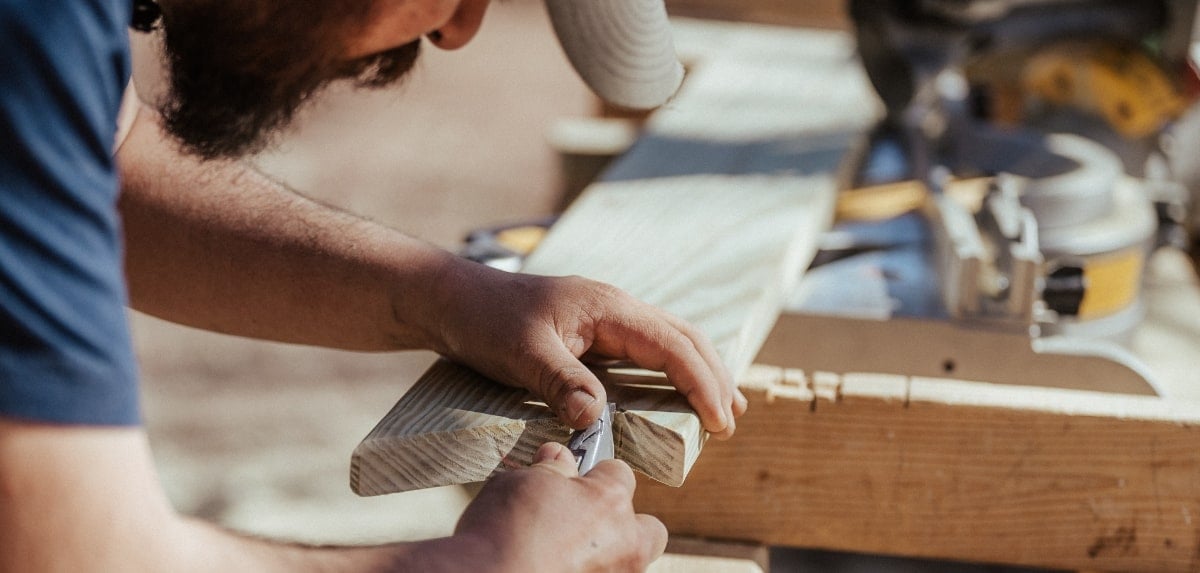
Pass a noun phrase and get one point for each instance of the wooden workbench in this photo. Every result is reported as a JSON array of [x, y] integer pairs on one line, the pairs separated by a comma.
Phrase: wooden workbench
[[953, 469]]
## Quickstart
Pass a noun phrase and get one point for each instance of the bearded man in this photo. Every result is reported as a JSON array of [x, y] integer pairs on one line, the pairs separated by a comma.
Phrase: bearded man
[[105, 202]]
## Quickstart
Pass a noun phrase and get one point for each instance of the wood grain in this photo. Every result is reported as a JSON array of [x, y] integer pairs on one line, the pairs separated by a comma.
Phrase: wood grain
[[720, 251], [457, 427], [945, 469]]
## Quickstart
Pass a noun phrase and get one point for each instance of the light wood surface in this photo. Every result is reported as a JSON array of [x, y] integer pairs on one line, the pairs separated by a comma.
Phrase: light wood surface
[[812, 13], [720, 251], [946, 469], [676, 563], [456, 427], [757, 553], [697, 555]]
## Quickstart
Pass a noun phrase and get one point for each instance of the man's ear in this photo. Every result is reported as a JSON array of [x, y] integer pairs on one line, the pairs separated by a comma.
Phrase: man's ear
[[131, 104]]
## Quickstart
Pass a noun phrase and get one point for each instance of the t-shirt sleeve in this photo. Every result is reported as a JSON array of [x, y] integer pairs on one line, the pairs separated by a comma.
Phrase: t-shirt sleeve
[[65, 349]]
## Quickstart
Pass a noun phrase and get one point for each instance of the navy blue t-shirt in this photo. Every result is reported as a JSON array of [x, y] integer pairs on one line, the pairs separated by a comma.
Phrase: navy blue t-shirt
[[65, 350]]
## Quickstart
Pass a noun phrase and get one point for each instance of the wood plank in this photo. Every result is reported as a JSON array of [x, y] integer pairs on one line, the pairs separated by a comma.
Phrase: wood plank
[[677, 563], [946, 469], [721, 253], [809, 13], [696, 555], [712, 216], [457, 427]]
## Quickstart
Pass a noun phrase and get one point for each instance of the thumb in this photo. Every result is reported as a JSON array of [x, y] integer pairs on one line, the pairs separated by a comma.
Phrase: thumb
[[571, 390], [556, 457]]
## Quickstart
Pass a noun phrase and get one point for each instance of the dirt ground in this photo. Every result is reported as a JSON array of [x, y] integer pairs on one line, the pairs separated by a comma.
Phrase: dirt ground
[[258, 436]]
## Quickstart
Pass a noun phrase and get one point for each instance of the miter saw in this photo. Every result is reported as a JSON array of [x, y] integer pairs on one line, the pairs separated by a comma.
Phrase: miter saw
[[1006, 207]]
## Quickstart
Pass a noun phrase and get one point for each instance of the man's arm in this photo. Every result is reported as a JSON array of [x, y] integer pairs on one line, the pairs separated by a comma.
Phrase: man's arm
[[75, 498], [219, 246]]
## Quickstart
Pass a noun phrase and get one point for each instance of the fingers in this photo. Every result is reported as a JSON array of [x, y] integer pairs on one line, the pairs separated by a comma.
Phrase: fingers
[[615, 325], [614, 472], [676, 348], [617, 478], [709, 353], [654, 535], [571, 390], [557, 458]]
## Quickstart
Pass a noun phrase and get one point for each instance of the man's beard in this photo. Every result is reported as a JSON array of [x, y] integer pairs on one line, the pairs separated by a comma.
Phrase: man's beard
[[239, 71]]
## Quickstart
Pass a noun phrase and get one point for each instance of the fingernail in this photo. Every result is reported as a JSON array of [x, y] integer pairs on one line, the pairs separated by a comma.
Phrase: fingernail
[[741, 398], [578, 403], [723, 420], [547, 452]]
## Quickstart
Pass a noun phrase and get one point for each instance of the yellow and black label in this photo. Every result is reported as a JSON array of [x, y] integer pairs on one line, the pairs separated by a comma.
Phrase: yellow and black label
[[1113, 282]]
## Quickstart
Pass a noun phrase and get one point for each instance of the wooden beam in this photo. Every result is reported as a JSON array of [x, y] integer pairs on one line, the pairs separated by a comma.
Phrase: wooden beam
[[696, 555], [808, 13], [944, 469], [457, 427], [719, 251]]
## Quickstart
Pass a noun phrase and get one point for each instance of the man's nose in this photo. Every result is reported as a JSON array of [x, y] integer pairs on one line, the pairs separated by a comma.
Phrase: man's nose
[[461, 27]]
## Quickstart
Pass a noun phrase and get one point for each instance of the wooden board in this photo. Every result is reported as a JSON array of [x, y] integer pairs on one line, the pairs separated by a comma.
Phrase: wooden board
[[712, 216], [811, 13], [720, 252], [695, 555], [457, 427], [944, 469]]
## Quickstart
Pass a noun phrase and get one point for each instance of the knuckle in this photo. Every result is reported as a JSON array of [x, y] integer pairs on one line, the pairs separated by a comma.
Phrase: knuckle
[[554, 380], [612, 494], [620, 483], [528, 483], [678, 341], [611, 292]]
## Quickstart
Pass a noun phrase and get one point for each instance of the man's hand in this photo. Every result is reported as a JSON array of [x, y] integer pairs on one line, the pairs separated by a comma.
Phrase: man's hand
[[240, 254], [76, 498], [547, 518], [532, 332]]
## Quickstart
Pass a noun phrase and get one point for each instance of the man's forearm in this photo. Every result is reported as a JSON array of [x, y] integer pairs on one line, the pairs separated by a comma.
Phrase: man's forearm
[[210, 548], [219, 246], [87, 499]]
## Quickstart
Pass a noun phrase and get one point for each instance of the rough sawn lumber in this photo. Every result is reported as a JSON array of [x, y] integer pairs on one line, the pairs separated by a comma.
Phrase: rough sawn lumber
[[458, 427], [1045, 477], [712, 215], [721, 252]]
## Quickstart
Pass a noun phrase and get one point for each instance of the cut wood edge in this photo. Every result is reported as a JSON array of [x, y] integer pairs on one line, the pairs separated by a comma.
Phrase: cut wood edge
[[456, 427], [385, 464]]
